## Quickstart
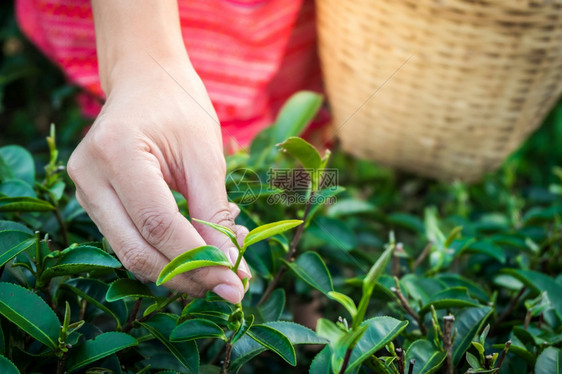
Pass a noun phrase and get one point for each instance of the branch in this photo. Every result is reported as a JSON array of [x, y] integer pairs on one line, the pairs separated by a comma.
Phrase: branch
[[507, 312], [407, 307], [290, 255], [345, 361], [448, 342]]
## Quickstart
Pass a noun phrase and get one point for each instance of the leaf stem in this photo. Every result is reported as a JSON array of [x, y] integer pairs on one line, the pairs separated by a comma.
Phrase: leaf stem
[[507, 312], [503, 354], [227, 354], [448, 343], [346, 359], [290, 254], [133, 316], [407, 307]]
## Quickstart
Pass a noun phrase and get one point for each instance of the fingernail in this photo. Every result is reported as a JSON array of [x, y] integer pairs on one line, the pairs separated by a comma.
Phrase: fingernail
[[245, 270], [232, 254], [228, 292]]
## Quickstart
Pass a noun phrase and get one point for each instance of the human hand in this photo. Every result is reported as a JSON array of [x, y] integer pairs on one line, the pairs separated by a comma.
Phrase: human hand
[[158, 129]]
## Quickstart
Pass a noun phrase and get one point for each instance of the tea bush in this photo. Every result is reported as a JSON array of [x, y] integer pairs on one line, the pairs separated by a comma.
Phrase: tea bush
[[390, 276]]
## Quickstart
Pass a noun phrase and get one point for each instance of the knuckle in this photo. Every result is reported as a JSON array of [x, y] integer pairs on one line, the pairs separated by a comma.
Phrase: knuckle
[[222, 217], [135, 260], [155, 227], [104, 140]]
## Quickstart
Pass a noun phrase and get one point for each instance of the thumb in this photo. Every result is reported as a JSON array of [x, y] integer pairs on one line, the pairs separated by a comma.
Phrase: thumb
[[208, 201]]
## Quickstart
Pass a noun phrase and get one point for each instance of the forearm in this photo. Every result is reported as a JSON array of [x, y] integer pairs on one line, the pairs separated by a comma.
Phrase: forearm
[[129, 32]]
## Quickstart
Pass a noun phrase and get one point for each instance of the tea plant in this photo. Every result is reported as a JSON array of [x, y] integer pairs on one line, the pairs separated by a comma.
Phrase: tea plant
[[387, 275]]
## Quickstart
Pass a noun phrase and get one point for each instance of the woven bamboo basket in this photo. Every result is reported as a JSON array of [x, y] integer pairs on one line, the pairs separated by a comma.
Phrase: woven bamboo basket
[[443, 88]]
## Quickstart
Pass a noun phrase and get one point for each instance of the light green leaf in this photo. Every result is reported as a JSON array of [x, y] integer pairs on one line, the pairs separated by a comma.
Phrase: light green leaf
[[273, 307], [310, 267], [428, 358], [467, 324], [329, 330], [303, 151], [222, 229], [346, 301], [101, 346], [161, 326], [12, 243], [275, 341], [24, 204], [197, 328], [125, 287], [7, 366], [370, 282], [30, 313], [549, 361], [80, 259], [271, 229], [348, 207], [196, 258], [19, 163], [380, 331], [295, 115]]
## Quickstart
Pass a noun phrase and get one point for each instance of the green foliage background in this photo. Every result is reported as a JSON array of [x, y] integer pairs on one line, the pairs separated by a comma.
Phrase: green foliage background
[[502, 269]]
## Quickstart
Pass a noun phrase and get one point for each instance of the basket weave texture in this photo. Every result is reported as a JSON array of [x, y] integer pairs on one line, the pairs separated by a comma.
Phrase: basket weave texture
[[443, 88]]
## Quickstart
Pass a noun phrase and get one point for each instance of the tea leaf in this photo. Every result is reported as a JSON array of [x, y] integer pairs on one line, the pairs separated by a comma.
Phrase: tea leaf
[[455, 297], [24, 204], [196, 258], [101, 346], [303, 151], [380, 331], [273, 307], [161, 326], [467, 324], [275, 341], [346, 301], [549, 361], [197, 328], [7, 366], [80, 259], [311, 268], [12, 243], [428, 358], [222, 229], [271, 229], [295, 115], [30, 313], [18, 163], [125, 287], [321, 364]]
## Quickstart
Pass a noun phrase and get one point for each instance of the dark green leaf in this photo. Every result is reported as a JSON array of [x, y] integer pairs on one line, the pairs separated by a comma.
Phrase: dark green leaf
[[539, 282], [197, 328], [7, 366], [14, 226], [467, 324], [275, 341], [125, 287], [30, 313], [408, 221], [333, 233], [549, 361], [347, 207], [218, 312], [428, 358], [80, 259], [295, 115], [12, 243], [273, 307], [24, 204], [322, 362], [94, 292], [487, 248], [101, 346], [19, 162], [455, 280], [17, 188], [161, 326], [246, 348], [380, 331], [196, 258], [456, 297], [271, 229], [311, 268]]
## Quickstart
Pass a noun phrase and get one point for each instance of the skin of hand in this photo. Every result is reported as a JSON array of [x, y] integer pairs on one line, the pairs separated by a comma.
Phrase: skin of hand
[[157, 130]]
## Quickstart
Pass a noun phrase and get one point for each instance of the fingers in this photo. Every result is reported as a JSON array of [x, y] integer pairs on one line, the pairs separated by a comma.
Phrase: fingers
[[143, 260], [207, 200]]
